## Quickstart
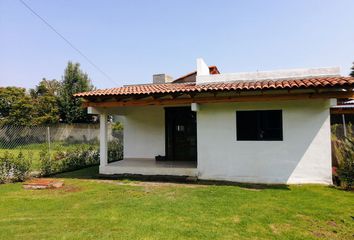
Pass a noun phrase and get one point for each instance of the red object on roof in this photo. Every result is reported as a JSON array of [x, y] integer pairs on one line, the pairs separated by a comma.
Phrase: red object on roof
[[301, 83], [190, 77]]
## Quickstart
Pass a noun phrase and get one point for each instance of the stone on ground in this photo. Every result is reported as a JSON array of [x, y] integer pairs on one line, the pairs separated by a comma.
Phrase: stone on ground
[[43, 183]]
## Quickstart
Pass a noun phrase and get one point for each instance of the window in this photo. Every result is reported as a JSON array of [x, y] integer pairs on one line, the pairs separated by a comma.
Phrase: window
[[259, 125]]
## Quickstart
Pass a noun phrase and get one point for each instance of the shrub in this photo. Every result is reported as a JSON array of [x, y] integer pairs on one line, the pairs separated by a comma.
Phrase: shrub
[[76, 158], [343, 149], [70, 160], [14, 168], [47, 165], [346, 165], [5, 167], [117, 130], [115, 150], [21, 167], [92, 156], [117, 126], [71, 140]]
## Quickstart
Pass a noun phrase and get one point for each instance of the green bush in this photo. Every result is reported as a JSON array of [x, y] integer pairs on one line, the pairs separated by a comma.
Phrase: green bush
[[76, 158], [14, 168], [21, 167], [117, 130], [343, 149], [5, 167], [47, 165], [117, 126], [115, 150], [346, 165], [69, 160]]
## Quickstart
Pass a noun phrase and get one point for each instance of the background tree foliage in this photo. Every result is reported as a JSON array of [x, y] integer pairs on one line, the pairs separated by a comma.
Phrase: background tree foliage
[[9, 96], [45, 98], [51, 101], [352, 72], [74, 81], [46, 87], [16, 106]]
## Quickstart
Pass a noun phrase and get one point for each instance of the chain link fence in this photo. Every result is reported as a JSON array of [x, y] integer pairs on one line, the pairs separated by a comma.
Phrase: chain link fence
[[30, 141]]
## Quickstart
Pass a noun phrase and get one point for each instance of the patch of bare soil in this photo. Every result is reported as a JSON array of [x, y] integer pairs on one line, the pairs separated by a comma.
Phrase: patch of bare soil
[[235, 219], [327, 230], [71, 188], [279, 228], [332, 223]]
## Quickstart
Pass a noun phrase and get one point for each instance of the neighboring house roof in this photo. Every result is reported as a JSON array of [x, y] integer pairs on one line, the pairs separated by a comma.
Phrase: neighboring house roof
[[190, 77], [300, 83], [351, 102], [346, 107]]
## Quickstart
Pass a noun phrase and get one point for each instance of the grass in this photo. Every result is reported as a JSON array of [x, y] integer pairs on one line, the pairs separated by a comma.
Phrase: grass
[[33, 150], [88, 208]]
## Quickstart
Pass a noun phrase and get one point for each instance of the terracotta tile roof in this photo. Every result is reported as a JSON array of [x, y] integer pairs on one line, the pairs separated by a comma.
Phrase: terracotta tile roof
[[313, 82]]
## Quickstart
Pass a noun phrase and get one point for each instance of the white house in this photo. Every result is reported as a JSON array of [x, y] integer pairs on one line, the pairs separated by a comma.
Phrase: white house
[[263, 127]]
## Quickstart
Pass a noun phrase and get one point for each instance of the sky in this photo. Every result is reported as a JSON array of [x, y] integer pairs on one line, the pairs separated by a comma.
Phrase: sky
[[132, 40]]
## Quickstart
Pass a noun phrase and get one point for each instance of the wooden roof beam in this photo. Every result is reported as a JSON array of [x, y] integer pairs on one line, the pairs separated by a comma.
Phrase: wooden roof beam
[[253, 98]]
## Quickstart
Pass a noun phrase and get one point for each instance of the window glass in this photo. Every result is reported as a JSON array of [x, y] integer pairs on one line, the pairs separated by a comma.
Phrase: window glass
[[261, 125]]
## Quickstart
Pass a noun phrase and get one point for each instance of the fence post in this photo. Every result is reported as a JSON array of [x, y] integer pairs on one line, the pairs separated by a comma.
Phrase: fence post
[[48, 139]]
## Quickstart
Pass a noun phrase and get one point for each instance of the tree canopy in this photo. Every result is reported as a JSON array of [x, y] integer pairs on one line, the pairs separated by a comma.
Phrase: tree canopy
[[46, 87], [15, 106], [352, 72], [51, 101], [74, 81]]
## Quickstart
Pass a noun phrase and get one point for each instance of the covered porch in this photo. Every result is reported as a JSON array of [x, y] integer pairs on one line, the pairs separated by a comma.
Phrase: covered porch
[[150, 166], [151, 131]]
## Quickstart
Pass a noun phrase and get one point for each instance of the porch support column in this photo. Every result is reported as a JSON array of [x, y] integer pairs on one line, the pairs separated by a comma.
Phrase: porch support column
[[103, 140]]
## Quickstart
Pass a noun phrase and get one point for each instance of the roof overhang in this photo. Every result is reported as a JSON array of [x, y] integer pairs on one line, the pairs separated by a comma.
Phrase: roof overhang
[[213, 97], [236, 91]]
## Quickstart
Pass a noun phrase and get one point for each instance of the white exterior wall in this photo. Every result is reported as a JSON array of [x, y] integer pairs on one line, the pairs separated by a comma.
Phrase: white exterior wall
[[304, 155], [144, 132]]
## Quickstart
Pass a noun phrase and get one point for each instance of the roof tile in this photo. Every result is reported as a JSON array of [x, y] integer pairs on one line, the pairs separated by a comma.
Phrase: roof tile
[[318, 82]]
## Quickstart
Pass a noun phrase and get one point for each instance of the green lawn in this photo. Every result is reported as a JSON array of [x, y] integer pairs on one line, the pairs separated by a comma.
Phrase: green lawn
[[33, 150], [96, 209]]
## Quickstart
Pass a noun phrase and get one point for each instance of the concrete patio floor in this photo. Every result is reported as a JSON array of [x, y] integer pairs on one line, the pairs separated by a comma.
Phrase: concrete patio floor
[[147, 166]]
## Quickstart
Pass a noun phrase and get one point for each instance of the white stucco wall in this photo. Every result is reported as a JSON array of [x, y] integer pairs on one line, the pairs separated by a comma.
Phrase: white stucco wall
[[144, 132], [304, 155]]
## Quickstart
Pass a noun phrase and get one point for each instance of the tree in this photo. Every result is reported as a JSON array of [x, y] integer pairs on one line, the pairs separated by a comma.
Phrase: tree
[[23, 112], [45, 98], [47, 110], [46, 87], [352, 72], [48, 102], [16, 107], [74, 81], [8, 97]]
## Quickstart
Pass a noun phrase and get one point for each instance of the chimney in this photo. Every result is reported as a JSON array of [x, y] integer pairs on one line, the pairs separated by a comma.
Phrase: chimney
[[202, 68], [161, 78]]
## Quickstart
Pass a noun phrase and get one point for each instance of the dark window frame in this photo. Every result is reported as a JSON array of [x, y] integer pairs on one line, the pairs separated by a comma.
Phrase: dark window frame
[[255, 125]]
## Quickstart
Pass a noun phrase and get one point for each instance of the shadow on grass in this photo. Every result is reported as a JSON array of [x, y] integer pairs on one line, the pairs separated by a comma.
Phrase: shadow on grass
[[93, 173], [255, 186], [85, 173]]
